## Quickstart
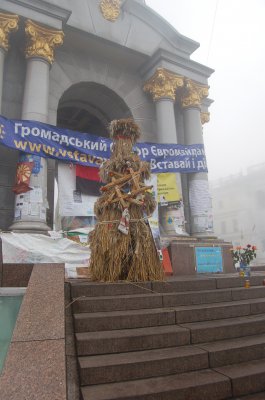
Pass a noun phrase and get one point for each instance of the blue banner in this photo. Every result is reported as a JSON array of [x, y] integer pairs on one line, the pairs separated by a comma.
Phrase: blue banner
[[83, 148]]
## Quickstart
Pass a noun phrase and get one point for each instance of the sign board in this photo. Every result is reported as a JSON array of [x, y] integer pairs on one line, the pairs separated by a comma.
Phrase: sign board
[[209, 259]]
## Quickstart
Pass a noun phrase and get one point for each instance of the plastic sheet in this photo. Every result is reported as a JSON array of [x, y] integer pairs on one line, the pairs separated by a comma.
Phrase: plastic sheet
[[36, 248]]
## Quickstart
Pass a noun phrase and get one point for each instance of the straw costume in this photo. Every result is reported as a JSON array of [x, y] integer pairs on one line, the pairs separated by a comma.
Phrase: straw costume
[[122, 245]]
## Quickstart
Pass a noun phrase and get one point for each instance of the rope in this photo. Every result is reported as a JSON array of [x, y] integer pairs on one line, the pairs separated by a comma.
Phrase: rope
[[117, 221], [72, 302], [212, 31]]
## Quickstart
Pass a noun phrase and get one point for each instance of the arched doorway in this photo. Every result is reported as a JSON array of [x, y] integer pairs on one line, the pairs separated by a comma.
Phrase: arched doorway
[[89, 108]]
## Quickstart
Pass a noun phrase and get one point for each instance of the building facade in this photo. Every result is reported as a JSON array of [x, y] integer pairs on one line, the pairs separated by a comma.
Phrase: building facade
[[79, 65], [239, 209]]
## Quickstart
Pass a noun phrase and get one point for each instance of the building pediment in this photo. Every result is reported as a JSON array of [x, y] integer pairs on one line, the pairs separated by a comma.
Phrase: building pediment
[[132, 24], [126, 31]]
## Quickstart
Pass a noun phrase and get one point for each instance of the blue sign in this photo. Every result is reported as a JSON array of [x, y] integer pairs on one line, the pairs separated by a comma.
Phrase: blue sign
[[209, 259], [83, 148]]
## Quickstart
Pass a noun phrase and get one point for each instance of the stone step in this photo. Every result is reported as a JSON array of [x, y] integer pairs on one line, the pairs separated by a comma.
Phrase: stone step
[[237, 350], [90, 322], [198, 385], [258, 268], [118, 341], [196, 283], [250, 293], [208, 331], [186, 314], [246, 377], [212, 296], [117, 303], [233, 280], [175, 284], [255, 396], [184, 284], [159, 316], [134, 302], [141, 364], [95, 289]]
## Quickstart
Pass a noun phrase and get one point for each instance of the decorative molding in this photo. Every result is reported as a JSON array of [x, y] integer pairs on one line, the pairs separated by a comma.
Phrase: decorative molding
[[205, 117], [8, 24], [193, 94], [163, 84], [42, 41], [110, 9]]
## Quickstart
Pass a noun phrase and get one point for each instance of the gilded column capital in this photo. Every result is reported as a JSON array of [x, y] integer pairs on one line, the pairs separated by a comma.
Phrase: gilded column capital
[[110, 9], [42, 41], [163, 84], [193, 94], [205, 117], [8, 24]]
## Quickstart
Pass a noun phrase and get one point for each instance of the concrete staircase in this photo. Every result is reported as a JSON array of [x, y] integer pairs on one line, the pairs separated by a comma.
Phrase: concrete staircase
[[187, 339]]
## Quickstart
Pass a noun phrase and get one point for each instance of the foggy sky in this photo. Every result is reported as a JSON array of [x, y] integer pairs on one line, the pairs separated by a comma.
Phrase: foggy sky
[[234, 46]]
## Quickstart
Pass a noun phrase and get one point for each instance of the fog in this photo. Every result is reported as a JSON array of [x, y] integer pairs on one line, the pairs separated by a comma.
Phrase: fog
[[231, 35]]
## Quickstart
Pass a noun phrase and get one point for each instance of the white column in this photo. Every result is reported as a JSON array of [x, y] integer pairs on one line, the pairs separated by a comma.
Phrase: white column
[[8, 24], [2, 61], [166, 126], [163, 86], [32, 216], [165, 116], [199, 196]]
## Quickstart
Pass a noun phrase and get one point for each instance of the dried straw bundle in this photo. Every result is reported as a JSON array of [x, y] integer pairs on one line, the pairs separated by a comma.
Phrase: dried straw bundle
[[115, 255], [144, 262], [124, 128], [109, 248]]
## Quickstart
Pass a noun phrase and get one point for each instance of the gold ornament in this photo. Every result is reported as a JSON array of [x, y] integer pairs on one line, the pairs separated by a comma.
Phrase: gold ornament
[[205, 117], [8, 23], [110, 9], [193, 94], [42, 41], [163, 84]]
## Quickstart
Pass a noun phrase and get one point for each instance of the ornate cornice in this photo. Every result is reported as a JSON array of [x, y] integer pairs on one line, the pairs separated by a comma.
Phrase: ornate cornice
[[193, 94], [8, 24], [163, 84], [110, 9], [42, 41], [205, 117]]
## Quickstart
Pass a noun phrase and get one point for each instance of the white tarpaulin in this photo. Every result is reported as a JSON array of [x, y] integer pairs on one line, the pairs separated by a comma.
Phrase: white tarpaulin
[[34, 248]]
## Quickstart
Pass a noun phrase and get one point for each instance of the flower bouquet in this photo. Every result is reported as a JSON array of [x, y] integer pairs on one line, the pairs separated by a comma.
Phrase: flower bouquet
[[243, 256]]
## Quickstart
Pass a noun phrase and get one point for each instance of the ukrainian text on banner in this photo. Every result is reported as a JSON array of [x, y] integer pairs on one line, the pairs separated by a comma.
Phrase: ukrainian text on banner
[[49, 141]]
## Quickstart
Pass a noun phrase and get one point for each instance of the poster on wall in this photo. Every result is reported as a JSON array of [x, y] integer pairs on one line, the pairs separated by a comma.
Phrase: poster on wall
[[201, 204], [171, 211], [76, 209], [209, 259], [153, 219], [31, 200]]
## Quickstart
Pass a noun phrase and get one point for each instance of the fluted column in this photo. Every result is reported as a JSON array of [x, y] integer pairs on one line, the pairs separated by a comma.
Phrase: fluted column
[[163, 86], [39, 52], [8, 24], [199, 199]]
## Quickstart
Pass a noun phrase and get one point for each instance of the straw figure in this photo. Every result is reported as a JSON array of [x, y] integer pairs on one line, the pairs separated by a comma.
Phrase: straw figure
[[122, 245]]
